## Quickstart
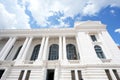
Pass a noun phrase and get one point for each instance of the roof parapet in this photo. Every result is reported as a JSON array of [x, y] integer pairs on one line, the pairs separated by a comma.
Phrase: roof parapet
[[89, 25]]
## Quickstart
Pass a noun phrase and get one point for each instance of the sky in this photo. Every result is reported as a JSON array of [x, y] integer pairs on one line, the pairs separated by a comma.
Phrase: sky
[[34, 14]]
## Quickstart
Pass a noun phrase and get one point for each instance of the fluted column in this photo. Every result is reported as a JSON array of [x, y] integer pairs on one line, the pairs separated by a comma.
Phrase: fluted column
[[26, 48], [5, 46], [8, 48], [64, 48], [23, 48], [60, 48], [45, 48], [41, 49]]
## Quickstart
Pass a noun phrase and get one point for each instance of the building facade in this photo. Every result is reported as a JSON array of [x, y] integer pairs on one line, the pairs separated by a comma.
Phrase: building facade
[[85, 52]]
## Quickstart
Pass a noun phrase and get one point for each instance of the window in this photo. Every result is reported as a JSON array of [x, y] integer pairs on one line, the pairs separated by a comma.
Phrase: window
[[116, 74], [28, 75], [9, 52], [50, 74], [71, 52], [93, 37], [53, 52], [108, 74], [80, 75], [99, 52], [17, 52], [21, 75], [73, 74], [35, 52], [1, 72]]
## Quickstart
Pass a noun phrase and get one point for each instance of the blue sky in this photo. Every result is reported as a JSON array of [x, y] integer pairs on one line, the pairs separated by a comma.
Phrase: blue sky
[[28, 14]]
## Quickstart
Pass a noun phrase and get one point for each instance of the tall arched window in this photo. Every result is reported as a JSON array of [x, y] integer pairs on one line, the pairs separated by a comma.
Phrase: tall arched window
[[99, 51], [53, 52], [35, 52], [17, 52], [71, 52]]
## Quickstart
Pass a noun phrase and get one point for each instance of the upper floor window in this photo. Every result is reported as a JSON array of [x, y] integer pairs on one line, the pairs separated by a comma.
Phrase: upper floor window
[[35, 52], [71, 52], [93, 37], [99, 51], [53, 52], [17, 52]]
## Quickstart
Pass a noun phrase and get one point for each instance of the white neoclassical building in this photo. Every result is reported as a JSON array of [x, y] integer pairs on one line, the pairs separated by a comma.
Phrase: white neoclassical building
[[85, 52]]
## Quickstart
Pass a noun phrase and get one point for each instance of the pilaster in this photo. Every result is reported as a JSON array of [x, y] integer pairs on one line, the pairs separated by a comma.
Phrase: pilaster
[[22, 49], [5, 46], [45, 48], [9, 46], [26, 48], [60, 48]]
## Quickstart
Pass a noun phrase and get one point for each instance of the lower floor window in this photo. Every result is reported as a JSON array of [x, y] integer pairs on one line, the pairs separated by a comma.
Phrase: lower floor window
[[1, 72], [50, 74]]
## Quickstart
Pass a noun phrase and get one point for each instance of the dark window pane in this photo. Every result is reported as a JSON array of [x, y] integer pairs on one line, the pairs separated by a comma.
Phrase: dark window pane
[[17, 52], [50, 74], [21, 75], [71, 52], [99, 51], [108, 74], [28, 75], [35, 52], [116, 74], [80, 75], [73, 74], [1, 73], [53, 52], [93, 37]]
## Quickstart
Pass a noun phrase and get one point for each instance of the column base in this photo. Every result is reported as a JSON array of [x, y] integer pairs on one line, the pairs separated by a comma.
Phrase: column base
[[19, 62], [64, 62], [38, 62]]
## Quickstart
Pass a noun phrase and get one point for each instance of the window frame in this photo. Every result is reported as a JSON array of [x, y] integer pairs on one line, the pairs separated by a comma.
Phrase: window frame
[[99, 52], [71, 53], [53, 52], [35, 52]]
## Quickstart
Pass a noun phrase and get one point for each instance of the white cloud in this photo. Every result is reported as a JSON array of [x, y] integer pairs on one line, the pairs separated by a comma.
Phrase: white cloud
[[12, 16], [42, 9], [117, 30]]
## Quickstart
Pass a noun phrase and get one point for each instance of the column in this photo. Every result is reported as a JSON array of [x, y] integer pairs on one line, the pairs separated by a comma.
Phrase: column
[[76, 75], [26, 48], [64, 48], [78, 46], [56, 77], [22, 49], [60, 48], [41, 49], [6, 45], [44, 73], [8, 48], [45, 48]]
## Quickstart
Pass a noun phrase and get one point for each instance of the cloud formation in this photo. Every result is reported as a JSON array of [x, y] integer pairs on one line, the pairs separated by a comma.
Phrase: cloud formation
[[117, 30], [12, 16], [42, 10]]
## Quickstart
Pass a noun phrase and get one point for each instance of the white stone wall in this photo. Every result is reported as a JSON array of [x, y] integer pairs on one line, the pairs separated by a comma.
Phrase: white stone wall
[[92, 67]]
